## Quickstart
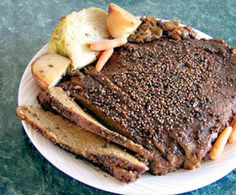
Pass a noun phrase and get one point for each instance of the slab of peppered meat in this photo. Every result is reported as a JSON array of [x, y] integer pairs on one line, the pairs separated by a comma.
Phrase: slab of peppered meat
[[174, 96], [188, 87]]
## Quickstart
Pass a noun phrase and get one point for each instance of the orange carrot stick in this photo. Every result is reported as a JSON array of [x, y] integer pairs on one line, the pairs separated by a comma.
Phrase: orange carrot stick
[[232, 136], [107, 44], [104, 57], [220, 143]]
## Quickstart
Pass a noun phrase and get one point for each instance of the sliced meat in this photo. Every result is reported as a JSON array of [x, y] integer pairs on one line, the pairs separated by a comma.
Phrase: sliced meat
[[73, 138], [114, 108], [57, 99]]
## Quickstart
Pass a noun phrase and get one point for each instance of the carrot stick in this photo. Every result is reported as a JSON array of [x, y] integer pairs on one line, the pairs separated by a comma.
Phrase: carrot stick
[[220, 143], [107, 44], [104, 57], [232, 136]]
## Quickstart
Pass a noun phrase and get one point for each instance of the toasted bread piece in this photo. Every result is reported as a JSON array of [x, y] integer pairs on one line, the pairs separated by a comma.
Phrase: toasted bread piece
[[75, 31], [57, 99], [48, 69], [71, 137]]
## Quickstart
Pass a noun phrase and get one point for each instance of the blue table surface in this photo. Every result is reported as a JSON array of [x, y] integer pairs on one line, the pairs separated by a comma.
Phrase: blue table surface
[[25, 26]]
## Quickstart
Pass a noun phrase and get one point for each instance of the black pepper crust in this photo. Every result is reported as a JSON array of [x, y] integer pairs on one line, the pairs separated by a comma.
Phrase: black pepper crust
[[188, 86], [161, 140]]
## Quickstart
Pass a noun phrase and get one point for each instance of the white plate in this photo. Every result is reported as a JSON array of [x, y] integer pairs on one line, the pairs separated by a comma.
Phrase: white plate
[[172, 183]]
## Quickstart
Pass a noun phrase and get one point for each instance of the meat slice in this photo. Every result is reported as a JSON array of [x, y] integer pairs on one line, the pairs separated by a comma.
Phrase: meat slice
[[57, 99], [75, 139], [188, 86], [117, 111]]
